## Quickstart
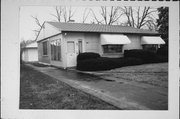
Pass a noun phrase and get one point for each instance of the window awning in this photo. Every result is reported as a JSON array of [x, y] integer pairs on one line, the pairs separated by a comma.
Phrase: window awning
[[152, 40], [114, 39]]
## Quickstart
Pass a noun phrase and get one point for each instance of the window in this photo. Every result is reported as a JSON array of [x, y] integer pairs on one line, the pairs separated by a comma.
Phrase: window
[[150, 47], [44, 48], [80, 46], [112, 48], [56, 50]]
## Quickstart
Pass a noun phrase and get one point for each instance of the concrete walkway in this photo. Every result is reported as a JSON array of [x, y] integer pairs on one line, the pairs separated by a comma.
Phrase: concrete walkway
[[127, 95]]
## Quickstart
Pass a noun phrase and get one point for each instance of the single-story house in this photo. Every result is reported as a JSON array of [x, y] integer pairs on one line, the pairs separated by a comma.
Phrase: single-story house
[[30, 52], [60, 43]]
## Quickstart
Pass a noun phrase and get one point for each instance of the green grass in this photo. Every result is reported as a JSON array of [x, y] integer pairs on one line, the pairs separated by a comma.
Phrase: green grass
[[39, 91]]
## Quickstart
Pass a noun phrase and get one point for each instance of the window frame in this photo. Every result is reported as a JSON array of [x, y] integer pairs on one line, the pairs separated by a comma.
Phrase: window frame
[[55, 47], [45, 53], [110, 45], [151, 47], [80, 47]]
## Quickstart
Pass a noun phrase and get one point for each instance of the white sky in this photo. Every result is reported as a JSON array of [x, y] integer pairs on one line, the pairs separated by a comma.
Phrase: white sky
[[27, 23]]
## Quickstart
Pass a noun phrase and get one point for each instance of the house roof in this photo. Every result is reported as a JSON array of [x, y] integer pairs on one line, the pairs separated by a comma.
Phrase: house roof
[[81, 27]]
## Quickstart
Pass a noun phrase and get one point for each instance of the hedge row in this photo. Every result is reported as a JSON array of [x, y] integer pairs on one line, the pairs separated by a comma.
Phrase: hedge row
[[87, 55], [103, 63], [163, 51], [93, 61], [146, 56]]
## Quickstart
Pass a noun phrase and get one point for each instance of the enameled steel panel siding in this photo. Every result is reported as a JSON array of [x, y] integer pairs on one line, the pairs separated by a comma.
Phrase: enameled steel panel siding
[[92, 42], [135, 42]]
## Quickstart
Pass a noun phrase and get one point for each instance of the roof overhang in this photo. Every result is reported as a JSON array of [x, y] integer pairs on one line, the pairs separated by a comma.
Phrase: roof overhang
[[125, 33], [30, 47], [48, 37], [97, 28], [107, 39], [151, 40]]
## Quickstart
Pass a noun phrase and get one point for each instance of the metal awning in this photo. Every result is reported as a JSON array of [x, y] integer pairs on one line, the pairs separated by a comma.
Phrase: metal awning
[[152, 40], [114, 39]]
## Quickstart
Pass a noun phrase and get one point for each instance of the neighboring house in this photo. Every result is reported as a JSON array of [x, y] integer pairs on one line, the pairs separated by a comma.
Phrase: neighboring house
[[30, 52], [60, 43]]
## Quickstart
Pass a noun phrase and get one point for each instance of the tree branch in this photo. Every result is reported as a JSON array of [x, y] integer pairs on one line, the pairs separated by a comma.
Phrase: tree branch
[[37, 21], [94, 16], [132, 17], [85, 15]]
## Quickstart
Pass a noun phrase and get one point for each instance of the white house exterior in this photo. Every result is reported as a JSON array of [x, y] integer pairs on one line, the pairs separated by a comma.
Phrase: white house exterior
[[60, 43], [30, 53]]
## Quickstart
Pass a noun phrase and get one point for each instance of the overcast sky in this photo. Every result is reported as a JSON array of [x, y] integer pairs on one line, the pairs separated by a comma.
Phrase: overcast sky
[[27, 23], [44, 13]]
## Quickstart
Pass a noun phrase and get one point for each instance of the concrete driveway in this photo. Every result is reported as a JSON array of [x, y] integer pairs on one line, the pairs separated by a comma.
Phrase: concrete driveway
[[124, 94]]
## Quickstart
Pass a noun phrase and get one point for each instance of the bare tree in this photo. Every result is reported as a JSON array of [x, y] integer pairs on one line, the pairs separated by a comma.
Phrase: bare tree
[[96, 20], [108, 16], [39, 25], [58, 13], [63, 14], [139, 17], [85, 14], [68, 13]]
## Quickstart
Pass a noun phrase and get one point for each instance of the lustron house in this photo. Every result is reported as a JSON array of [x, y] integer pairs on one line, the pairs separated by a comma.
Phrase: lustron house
[[60, 43]]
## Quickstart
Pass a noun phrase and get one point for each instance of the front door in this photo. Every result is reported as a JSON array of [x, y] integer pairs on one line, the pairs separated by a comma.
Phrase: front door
[[74, 47]]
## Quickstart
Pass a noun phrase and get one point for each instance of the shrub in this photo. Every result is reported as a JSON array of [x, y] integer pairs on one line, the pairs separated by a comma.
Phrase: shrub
[[95, 64], [145, 55], [160, 59], [87, 55], [163, 51], [106, 63], [130, 61]]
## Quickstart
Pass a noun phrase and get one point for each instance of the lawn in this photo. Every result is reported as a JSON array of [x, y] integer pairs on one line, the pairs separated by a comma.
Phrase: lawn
[[39, 91], [153, 74]]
